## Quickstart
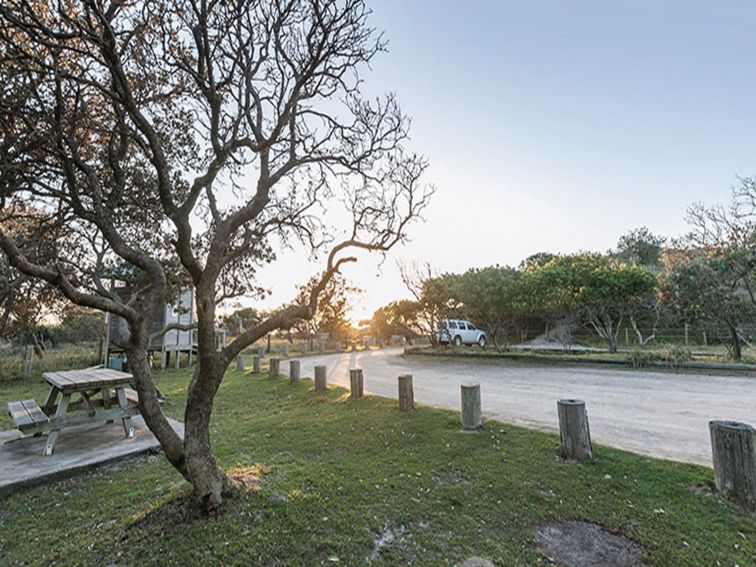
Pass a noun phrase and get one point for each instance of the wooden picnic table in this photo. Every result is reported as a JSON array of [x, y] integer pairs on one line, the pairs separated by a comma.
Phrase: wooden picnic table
[[94, 387]]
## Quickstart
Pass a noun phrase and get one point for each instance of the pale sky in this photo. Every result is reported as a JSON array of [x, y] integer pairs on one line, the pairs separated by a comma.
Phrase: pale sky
[[557, 125]]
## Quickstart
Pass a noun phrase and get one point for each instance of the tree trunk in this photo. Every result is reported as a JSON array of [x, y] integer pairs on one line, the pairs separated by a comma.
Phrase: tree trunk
[[737, 351], [38, 350], [149, 407], [208, 480]]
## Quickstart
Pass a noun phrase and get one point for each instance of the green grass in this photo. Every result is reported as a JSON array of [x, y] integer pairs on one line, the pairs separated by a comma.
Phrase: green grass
[[63, 358], [350, 470]]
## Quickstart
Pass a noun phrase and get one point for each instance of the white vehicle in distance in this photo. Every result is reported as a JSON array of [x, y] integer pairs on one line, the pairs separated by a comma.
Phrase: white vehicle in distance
[[459, 332]]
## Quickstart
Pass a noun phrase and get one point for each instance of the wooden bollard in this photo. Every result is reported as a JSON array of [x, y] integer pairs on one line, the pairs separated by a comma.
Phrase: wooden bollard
[[256, 362], [320, 379], [356, 382], [261, 351], [294, 368], [406, 394], [321, 347], [274, 367], [240, 363], [285, 351], [471, 416], [27, 361], [574, 432], [733, 450], [354, 346]]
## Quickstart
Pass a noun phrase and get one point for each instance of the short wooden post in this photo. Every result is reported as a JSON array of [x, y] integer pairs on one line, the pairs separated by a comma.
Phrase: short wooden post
[[354, 346], [471, 416], [274, 367], [27, 361], [574, 432], [294, 371], [240, 363], [733, 450], [256, 362], [321, 346], [320, 379], [285, 351], [406, 394], [261, 351], [356, 382]]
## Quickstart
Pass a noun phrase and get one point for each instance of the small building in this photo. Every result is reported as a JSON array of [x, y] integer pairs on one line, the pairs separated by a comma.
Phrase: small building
[[171, 345]]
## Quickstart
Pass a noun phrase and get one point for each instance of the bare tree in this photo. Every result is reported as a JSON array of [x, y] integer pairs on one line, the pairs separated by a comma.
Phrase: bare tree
[[415, 276], [204, 136], [729, 232]]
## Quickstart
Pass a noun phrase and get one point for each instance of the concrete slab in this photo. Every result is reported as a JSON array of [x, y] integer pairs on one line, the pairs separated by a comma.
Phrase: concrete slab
[[79, 448]]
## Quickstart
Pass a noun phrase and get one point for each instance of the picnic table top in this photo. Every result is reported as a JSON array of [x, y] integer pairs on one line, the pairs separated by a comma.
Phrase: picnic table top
[[72, 380]]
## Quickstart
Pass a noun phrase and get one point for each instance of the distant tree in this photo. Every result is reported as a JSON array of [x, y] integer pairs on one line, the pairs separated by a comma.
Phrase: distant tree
[[417, 277], [598, 290], [241, 319], [334, 306], [640, 246], [26, 301], [729, 232], [397, 318], [492, 298], [705, 288], [536, 260], [441, 298], [78, 325]]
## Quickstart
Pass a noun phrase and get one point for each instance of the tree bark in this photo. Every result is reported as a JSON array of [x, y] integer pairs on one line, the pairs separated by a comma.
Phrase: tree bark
[[737, 351], [149, 407], [208, 480]]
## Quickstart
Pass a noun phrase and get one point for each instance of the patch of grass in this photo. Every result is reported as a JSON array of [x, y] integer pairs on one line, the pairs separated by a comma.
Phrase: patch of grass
[[63, 358], [333, 475], [670, 358]]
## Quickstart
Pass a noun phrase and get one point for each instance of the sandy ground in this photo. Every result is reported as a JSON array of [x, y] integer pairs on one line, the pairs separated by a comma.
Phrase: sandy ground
[[661, 414]]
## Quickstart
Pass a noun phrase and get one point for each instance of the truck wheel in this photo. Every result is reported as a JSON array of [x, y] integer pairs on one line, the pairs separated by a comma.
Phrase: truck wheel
[[457, 341], [482, 341]]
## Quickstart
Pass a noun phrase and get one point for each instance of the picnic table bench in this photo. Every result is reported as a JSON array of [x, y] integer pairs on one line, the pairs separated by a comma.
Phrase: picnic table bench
[[103, 395]]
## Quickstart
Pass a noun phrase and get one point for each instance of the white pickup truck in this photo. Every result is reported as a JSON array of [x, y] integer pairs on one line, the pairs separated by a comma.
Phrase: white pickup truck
[[459, 332]]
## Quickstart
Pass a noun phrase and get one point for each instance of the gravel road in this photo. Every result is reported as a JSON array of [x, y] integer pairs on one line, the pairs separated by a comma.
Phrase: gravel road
[[661, 414]]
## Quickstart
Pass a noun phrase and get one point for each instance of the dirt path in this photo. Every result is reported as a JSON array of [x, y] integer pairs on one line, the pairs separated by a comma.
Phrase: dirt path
[[660, 414]]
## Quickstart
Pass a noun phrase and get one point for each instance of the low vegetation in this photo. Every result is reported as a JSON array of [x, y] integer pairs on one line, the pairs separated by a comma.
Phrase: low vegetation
[[64, 358], [344, 482]]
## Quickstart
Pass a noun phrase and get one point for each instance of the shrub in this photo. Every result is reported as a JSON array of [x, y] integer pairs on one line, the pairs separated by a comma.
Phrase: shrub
[[675, 355], [641, 358]]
